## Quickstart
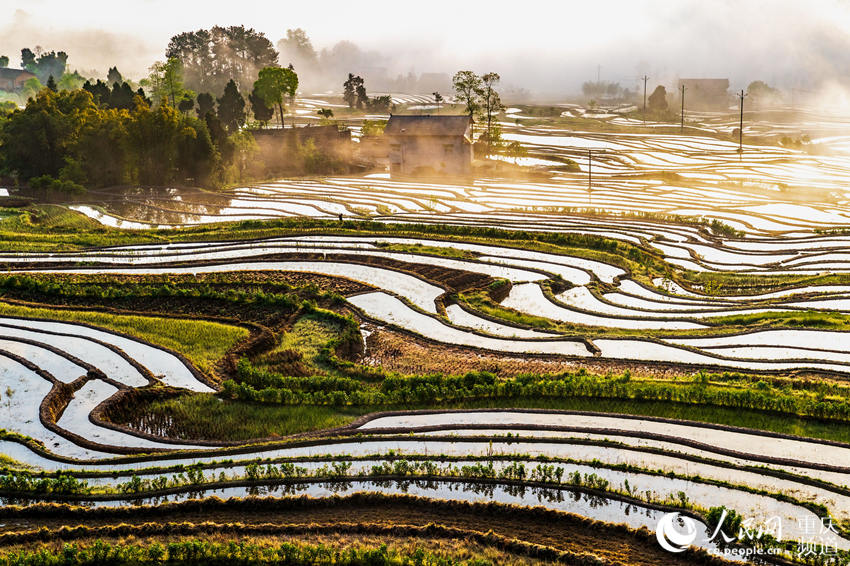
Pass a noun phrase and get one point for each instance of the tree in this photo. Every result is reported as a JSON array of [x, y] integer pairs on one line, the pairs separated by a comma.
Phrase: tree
[[206, 104], [467, 86], [231, 108], [602, 89], [380, 104], [244, 145], [27, 58], [219, 135], [167, 147], [32, 86], [122, 97], [360, 93], [37, 139], [658, 99], [100, 92], [350, 91], [51, 84], [438, 98], [762, 93], [262, 111], [491, 104], [166, 81], [71, 81], [101, 156], [141, 94], [4, 61], [64, 139], [326, 115], [44, 64], [113, 76], [296, 48], [275, 83], [516, 151], [186, 103], [211, 58]]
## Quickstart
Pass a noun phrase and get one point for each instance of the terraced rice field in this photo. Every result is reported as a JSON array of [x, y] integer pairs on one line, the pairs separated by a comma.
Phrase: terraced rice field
[[740, 322]]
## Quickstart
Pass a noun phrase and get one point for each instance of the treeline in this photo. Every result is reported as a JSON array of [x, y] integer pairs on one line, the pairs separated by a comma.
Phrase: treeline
[[64, 140]]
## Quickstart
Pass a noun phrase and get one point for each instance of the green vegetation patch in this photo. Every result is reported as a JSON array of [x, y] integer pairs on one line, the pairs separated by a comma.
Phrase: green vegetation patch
[[432, 250], [307, 337], [806, 319], [202, 342], [200, 415]]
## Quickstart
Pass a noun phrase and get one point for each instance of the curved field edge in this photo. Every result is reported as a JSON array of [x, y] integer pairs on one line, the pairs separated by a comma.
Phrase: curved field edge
[[553, 530], [202, 342], [65, 230], [250, 421], [513, 470]]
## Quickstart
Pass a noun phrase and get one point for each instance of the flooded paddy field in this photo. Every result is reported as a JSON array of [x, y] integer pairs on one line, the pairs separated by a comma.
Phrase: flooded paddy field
[[171, 367]]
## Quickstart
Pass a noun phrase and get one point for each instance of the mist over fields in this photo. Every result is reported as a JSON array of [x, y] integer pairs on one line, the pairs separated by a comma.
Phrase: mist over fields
[[545, 48]]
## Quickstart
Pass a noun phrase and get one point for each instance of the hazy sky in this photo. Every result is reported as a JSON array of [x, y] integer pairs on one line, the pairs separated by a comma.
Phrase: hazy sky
[[544, 46]]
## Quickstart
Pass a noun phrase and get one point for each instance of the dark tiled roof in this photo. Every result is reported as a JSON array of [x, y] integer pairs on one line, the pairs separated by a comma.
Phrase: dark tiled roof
[[6, 73], [427, 125]]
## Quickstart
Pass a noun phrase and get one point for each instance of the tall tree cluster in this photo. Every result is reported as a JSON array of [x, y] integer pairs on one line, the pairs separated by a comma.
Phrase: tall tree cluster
[[211, 58], [354, 94], [273, 86], [44, 64], [68, 136], [480, 98], [297, 49], [121, 96]]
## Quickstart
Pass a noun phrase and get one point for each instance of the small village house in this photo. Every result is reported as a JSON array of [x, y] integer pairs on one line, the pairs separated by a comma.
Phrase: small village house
[[12, 80], [429, 145]]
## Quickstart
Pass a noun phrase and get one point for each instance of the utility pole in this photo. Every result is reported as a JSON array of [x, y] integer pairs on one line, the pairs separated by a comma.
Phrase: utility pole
[[741, 124], [645, 78], [683, 109]]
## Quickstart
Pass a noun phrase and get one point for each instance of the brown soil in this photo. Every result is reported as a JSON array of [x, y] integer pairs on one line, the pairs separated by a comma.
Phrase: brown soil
[[461, 548], [570, 534], [405, 353]]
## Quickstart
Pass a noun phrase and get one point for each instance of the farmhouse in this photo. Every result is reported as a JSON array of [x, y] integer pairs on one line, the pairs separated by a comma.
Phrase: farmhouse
[[706, 94], [14, 79], [429, 145]]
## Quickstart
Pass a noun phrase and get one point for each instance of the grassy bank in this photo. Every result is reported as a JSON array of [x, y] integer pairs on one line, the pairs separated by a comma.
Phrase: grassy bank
[[201, 416], [203, 343]]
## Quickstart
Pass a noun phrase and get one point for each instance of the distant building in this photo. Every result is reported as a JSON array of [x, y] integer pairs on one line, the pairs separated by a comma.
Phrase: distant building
[[429, 145], [14, 79], [705, 94]]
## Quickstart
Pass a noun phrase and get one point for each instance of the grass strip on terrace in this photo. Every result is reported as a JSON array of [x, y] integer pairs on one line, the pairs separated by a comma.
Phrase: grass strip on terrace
[[193, 415], [201, 342]]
